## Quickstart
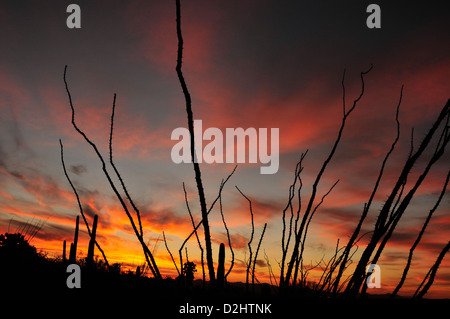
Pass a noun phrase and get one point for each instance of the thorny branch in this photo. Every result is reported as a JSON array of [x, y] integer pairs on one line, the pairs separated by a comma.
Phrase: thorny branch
[[79, 202]]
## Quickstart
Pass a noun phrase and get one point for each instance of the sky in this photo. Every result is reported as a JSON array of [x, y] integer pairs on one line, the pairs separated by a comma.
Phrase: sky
[[260, 64]]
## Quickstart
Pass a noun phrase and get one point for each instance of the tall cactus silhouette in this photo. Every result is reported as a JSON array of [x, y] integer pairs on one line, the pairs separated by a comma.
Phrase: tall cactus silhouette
[[73, 247], [221, 267], [64, 252], [90, 256]]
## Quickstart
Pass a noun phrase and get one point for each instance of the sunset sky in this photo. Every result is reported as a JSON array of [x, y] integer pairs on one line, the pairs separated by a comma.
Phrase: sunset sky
[[261, 64]]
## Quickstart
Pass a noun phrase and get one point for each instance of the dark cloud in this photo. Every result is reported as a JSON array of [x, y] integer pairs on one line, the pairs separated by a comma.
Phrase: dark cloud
[[434, 247], [263, 209], [78, 169], [3, 156], [393, 258], [13, 138], [238, 241], [404, 238], [53, 231], [88, 210], [260, 263], [445, 277], [164, 219], [13, 145]]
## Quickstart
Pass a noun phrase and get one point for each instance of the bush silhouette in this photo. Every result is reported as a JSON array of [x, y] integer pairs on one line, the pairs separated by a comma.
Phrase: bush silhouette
[[188, 273], [15, 245]]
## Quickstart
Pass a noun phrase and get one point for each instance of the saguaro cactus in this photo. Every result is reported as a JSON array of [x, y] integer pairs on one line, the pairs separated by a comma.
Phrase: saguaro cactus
[[70, 252], [73, 247], [90, 256], [221, 267], [138, 271], [64, 252]]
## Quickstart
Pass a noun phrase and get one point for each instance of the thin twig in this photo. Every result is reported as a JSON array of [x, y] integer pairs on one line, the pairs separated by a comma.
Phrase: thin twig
[[79, 202], [256, 256], [198, 177], [148, 255], [431, 274], [372, 195], [251, 236], [171, 256], [117, 171], [298, 236], [419, 237], [228, 234], [196, 236], [210, 209]]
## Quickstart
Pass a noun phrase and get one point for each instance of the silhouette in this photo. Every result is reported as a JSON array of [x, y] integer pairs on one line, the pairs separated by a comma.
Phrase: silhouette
[[429, 278], [198, 177], [301, 233], [80, 208], [148, 255], [15, 246], [23, 268], [419, 237], [221, 267], [188, 273], [335, 282], [90, 256], [73, 246], [393, 209]]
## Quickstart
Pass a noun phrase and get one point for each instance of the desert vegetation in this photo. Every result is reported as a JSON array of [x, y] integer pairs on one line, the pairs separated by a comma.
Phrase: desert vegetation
[[343, 274]]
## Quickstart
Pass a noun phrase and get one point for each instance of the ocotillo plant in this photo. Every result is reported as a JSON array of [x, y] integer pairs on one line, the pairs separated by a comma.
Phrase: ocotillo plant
[[221, 267], [90, 256], [79, 202], [73, 247], [139, 233], [198, 177]]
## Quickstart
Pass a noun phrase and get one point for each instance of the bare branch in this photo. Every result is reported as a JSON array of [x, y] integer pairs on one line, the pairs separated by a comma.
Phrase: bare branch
[[299, 234], [79, 202], [117, 171], [256, 256], [198, 177], [299, 259], [419, 237], [217, 198], [431, 274], [228, 234], [251, 237], [372, 195], [196, 236], [269, 267], [285, 243], [148, 255], [383, 224], [171, 256]]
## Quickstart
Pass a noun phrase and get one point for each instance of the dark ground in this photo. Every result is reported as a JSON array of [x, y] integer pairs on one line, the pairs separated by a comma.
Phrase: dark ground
[[28, 275]]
